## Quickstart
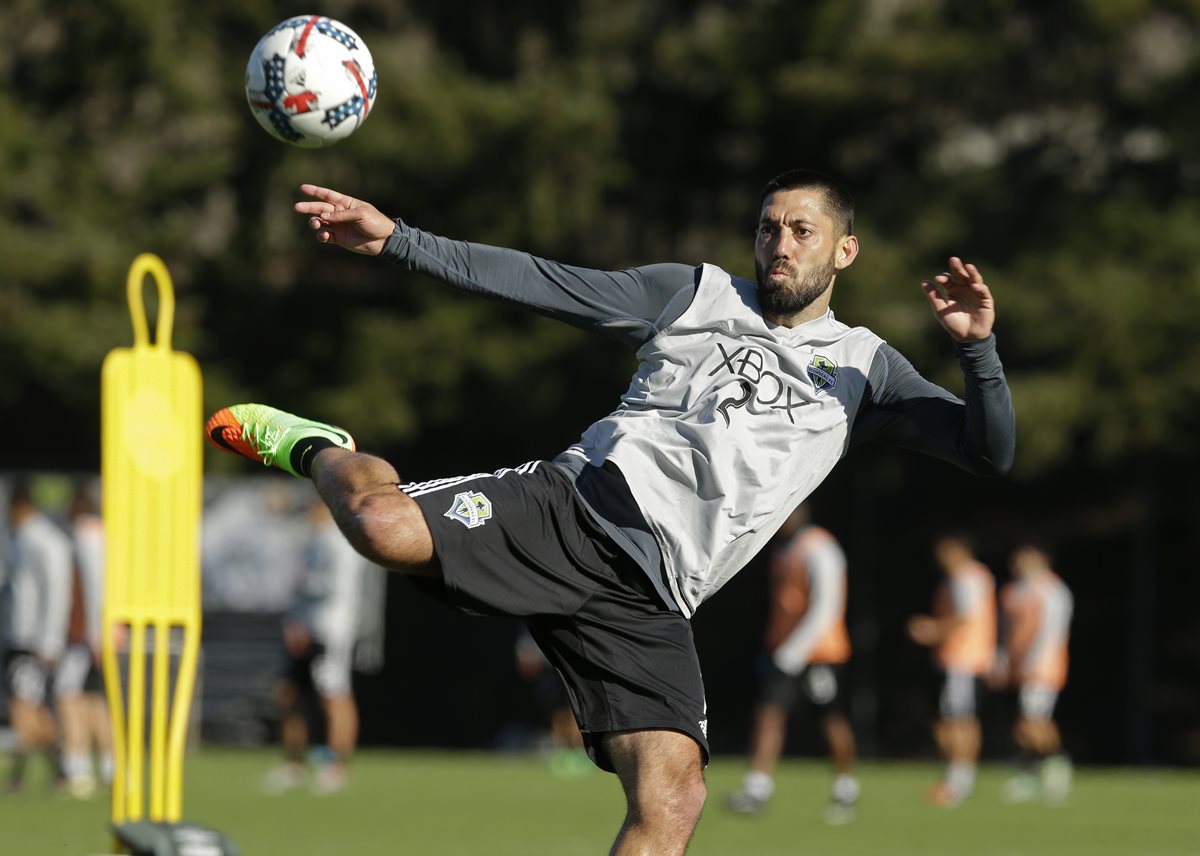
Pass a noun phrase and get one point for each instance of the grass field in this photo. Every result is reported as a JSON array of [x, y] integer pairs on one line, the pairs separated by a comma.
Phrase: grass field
[[449, 804]]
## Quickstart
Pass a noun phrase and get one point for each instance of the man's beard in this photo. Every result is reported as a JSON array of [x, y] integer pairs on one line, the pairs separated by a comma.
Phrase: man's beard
[[788, 298]]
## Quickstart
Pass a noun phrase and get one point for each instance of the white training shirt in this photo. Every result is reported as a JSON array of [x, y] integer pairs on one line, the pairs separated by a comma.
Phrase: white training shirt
[[729, 426], [328, 587], [39, 583], [825, 568]]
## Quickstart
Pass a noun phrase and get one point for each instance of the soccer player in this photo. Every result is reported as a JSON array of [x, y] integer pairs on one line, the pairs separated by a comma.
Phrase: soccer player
[[318, 634], [38, 603], [78, 680], [1036, 608], [962, 632], [806, 649], [746, 396]]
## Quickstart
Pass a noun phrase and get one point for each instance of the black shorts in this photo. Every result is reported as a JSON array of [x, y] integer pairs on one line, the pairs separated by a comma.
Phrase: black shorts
[[821, 685], [25, 677], [521, 543], [77, 672], [298, 671], [959, 695]]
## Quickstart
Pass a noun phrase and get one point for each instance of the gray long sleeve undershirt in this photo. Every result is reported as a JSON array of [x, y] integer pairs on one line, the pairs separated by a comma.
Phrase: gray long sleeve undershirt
[[902, 408]]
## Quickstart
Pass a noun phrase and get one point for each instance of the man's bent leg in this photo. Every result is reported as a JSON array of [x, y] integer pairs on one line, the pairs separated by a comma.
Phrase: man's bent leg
[[378, 519], [662, 774]]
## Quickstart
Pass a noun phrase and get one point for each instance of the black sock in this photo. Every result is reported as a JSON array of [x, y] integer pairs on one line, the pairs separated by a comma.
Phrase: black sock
[[305, 450]]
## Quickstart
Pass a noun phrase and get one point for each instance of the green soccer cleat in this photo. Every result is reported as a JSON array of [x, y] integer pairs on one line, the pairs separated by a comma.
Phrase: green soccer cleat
[[275, 438]]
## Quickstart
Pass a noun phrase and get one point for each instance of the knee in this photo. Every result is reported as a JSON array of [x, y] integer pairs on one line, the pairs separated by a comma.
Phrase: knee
[[674, 801], [1024, 734], [385, 526], [693, 794]]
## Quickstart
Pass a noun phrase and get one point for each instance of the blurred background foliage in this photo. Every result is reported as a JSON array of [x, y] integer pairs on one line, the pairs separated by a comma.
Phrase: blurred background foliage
[[1055, 145]]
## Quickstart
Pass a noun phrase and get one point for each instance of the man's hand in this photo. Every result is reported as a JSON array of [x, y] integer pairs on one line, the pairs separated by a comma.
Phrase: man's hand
[[343, 220], [962, 302], [924, 630], [296, 638]]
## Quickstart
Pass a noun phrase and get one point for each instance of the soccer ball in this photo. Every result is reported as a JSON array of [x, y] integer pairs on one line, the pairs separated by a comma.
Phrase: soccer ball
[[310, 81]]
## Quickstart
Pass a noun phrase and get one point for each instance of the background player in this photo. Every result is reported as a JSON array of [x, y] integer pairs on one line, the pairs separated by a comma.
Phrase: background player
[[78, 680], [1036, 611], [34, 623], [962, 632], [806, 649], [319, 632]]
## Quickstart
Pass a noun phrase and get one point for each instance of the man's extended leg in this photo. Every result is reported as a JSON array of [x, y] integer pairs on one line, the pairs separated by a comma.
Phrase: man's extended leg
[[380, 521], [662, 773]]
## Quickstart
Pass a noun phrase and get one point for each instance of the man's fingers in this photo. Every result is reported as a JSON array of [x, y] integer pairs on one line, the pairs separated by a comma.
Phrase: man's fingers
[[329, 214], [313, 208], [935, 296], [964, 274], [325, 194]]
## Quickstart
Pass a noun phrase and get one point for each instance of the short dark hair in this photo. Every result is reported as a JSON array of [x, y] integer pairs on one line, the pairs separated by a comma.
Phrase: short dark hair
[[1038, 545], [954, 536], [838, 201]]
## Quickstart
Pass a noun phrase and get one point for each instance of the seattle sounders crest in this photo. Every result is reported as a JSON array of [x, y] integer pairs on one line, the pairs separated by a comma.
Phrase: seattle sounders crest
[[823, 372], [471, 509]]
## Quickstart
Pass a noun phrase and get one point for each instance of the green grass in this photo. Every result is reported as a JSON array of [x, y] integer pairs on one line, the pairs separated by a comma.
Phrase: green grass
[[449, 804]]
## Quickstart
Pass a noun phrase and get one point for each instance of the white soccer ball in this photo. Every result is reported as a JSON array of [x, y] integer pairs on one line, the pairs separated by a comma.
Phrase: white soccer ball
[[310, 81]]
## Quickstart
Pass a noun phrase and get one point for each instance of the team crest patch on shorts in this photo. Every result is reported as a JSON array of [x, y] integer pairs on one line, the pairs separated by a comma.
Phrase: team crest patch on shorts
[[471, 509], [823, 372]]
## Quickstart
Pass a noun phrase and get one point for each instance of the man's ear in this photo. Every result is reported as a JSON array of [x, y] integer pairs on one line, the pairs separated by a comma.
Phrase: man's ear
[[847, 252]]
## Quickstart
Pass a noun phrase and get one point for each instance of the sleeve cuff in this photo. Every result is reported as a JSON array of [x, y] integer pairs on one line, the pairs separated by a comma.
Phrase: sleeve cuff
[[397, 243], [977, 348]]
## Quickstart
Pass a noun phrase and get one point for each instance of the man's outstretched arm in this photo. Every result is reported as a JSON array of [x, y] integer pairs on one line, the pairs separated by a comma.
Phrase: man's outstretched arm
[[630, 305]]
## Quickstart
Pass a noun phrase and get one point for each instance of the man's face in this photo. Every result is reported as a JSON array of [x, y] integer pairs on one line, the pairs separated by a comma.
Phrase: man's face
[[796, 251]]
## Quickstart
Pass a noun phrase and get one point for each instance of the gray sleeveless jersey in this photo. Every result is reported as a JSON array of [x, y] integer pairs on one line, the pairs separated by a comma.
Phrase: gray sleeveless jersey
[[728, 424]]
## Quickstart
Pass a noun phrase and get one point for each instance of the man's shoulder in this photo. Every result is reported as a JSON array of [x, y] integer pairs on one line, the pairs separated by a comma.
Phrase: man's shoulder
[[707, 273]]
